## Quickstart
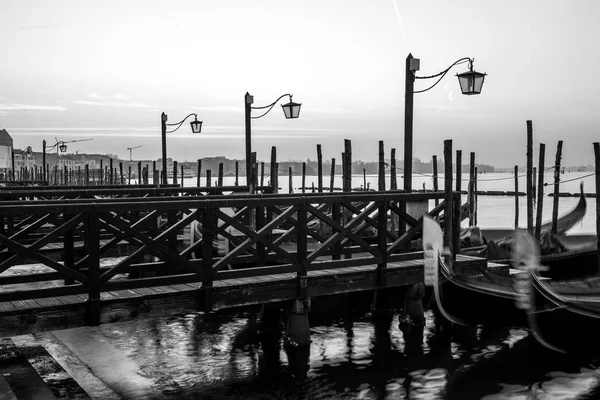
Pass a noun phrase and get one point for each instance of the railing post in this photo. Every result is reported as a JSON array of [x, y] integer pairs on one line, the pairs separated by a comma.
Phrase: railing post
[[301, 249], [336, 252], [260, 248], [382, 241], [68, 249], [93, 302], [208, 227]]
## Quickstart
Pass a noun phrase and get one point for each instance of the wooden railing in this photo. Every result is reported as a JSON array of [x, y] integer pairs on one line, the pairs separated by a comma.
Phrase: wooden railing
[[172, 239]]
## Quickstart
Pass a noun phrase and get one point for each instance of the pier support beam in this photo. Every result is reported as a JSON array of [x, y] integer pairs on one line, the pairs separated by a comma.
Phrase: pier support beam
[[413, 312], [297, 330]]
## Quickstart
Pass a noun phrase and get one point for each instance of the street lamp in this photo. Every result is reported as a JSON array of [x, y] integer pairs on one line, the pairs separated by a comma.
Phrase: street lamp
[[196, 128], [290, 110], [470, 83], [61, 146]]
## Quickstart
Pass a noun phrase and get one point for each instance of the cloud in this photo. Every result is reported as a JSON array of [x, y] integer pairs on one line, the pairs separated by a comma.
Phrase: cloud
[[19, 107], [95, 96], [113, 104], [121, 96]]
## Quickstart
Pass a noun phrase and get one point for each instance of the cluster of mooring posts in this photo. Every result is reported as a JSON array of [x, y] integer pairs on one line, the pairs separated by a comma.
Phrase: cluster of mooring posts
[[85, 255]]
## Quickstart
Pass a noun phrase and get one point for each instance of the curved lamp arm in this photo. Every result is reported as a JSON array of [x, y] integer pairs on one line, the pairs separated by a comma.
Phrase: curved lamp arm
[[270, 106], [181, 122], [444, 72]]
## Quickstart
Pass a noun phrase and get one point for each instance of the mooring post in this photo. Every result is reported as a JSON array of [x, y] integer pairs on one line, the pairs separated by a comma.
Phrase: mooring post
[[262, 173], [208, 177], [516, 196], [347, 165], [393, 175], [253, 173], [529, 177], [274, 171], [290, 182], [220, 178], [476, 196], [199, 172], [121, 176], [471, 189], [181, 174], [459, 171], [155, 180], [434, 163], [237, 173], [332, 175], [319, 169], [540, 194], [365, 178], [381, 177], [597, 158], [111, 177], [448, 208], [139, 179], [174, 173], [555, 200], [534, 187], [303, 177], [129, 174], [87, 174]]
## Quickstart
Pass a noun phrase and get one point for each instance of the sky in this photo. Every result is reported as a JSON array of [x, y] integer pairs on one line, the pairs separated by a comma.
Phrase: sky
[[76, 69]]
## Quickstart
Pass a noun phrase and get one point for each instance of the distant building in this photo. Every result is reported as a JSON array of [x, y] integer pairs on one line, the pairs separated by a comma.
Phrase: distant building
[[6, 147]]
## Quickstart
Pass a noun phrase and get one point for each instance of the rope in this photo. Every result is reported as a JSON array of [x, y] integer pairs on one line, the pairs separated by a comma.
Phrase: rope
[[570, 180]]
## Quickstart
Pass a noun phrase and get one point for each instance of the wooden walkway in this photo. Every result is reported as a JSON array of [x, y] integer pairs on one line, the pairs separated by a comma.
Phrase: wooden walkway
[[42, 314]]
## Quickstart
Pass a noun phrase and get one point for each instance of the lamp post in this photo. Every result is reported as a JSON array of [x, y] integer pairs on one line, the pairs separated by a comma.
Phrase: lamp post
[[61, 146], [470, 83], [196, 128], [290, 110]]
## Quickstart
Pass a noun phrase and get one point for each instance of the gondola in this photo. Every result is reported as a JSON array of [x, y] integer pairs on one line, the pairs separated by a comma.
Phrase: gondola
[[565, 315], [566, 256], [469, 297]]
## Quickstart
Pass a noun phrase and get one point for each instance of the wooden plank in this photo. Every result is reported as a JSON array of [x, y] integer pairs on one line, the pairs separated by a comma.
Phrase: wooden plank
[[163, 289], [23, 305], [48, 302], [146, 291], [182, 287], [125, 294], [70, 299], [7, 306]]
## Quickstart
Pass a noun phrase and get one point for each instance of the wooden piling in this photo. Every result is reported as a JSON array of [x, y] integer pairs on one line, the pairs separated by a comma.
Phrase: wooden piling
[[435, 177], [303, 177], [174, 173], [529, 177], [139, 180], [347, 165], [155, 179], [516, 196], [534, 187], [448, 240], [381, 175], [471, 189], [332, 175], [319, 169], [87, 174], [262, 173], [290, 182], [253, 173], [364, 178], [220, 178], [458, 170], [111, 178], [129, 175], [274, 171], [237, 173], [393, 176], [597, 159], [199, 172], [208, 177], [540, 194], [557, 163]]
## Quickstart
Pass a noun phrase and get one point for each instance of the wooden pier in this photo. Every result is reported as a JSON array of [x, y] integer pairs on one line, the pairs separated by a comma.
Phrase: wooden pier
[[280, 247]]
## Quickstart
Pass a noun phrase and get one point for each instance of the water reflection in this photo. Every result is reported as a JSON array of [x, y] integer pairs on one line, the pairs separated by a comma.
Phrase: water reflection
[[231, 356]]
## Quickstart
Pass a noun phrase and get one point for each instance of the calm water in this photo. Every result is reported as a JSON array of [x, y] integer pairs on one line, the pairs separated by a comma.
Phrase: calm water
[[221, 356]]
